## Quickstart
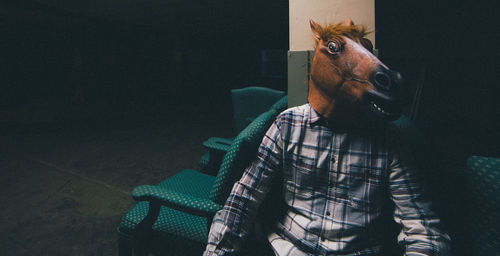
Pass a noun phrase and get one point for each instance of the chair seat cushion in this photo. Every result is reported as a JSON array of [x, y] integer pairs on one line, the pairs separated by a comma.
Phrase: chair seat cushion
[[189, 182], [172, 223]]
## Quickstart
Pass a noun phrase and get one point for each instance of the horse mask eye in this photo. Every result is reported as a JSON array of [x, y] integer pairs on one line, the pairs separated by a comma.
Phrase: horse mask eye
[[367, 44], [333, 47]]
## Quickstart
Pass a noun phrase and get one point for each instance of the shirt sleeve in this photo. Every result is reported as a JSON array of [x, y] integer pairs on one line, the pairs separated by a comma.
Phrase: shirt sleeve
[[232, 224], [421, 232]]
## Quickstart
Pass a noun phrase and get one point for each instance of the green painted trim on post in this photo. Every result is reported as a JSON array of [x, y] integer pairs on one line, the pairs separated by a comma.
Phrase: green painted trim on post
[[298, 77]]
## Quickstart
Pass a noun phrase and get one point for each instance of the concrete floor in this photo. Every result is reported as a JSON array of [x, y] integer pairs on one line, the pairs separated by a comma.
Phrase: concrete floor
[[64, 191]]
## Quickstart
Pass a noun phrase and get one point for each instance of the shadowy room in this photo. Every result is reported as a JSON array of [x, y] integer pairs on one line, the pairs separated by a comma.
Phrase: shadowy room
[[98, 98]]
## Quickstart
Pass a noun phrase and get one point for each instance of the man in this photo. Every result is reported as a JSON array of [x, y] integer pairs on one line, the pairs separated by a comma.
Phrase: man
[[336, 164]]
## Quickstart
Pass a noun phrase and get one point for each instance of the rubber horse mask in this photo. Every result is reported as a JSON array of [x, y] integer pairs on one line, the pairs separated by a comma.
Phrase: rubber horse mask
[[347, 82]]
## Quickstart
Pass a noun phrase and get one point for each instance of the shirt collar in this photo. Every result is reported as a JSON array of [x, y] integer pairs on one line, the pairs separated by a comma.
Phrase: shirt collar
[[315, 118]]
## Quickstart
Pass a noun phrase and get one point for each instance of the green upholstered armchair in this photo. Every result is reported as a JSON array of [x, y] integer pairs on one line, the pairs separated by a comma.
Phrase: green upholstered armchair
[[466, 197], [248, 103], [482, 205], [172, 218]]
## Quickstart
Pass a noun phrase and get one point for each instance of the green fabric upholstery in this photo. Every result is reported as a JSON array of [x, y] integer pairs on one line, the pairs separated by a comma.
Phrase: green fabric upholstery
[[430, 169], [222, 144], [217, 147], [281, 105], [169, 221], [250, 102], [217, 143], [174, 232], [240, 154], [191, 197], [483, 190], [465, 197], [196, 205], [180, 228], [413, 137], [203, 162], [410, 131]]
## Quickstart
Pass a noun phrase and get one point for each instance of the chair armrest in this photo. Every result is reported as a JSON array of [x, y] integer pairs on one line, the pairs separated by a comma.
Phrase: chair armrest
[[218, 144], [179, 201]]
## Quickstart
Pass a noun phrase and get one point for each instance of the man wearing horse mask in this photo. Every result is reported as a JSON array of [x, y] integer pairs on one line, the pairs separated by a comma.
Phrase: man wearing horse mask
[[335, 161]]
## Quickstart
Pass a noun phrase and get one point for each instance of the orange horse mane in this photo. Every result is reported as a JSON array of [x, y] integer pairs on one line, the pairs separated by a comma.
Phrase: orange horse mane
[[354, 32]]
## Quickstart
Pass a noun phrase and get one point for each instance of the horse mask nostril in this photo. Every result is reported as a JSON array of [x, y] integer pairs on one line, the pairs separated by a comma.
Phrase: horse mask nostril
[[397, 78], [382, 79]]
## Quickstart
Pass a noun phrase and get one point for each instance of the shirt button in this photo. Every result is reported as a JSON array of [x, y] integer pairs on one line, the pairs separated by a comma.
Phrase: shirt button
[[333, 160], [328, 213]]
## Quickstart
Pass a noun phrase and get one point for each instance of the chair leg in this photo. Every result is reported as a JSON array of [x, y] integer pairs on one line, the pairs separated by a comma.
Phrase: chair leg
[[143, 230]]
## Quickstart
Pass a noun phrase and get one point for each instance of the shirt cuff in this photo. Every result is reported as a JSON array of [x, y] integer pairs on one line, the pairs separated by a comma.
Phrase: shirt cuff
[[211, 250]]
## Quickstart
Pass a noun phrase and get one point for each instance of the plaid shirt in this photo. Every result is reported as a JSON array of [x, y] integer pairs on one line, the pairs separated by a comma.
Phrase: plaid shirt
[[333, 186]]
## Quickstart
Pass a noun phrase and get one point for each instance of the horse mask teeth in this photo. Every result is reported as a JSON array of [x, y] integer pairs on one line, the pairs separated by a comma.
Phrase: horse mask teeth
[[381, 105]]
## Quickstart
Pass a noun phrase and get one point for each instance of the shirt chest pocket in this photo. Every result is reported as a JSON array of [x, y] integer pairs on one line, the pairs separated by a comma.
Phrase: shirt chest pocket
[[300, 178], [364, 186]]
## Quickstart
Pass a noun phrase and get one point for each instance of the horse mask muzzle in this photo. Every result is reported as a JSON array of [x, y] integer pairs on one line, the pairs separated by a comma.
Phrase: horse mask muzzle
[[385, 99]]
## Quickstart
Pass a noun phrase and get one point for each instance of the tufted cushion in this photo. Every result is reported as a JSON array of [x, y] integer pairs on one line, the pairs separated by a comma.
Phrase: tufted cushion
[[483, 189], [240, 154]]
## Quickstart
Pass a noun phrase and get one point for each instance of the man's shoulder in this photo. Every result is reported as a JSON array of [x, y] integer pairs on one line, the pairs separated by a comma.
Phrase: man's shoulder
[[296, 114]]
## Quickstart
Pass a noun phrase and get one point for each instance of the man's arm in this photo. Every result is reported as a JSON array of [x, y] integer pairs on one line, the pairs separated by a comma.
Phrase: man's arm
[[231, 224], [421, 232]]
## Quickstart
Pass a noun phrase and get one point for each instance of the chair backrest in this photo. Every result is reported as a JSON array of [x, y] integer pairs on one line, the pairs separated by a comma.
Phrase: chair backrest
[[280, 105], [415, 139], [482, 192], [239, 156], [250, 102], [432, 170], [421, 152]]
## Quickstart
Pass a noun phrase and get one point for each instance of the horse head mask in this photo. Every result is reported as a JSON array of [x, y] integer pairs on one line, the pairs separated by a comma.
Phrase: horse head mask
[[347, 82]]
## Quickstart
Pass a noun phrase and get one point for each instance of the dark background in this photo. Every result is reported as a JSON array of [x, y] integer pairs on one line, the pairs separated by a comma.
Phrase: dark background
[[98, 99], [449, 49], [81, 64], [61, 66], [452, 48]]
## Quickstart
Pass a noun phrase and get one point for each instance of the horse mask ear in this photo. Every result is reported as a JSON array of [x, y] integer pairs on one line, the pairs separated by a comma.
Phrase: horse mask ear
[[365, 42], [315, 28], [349, 22]]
